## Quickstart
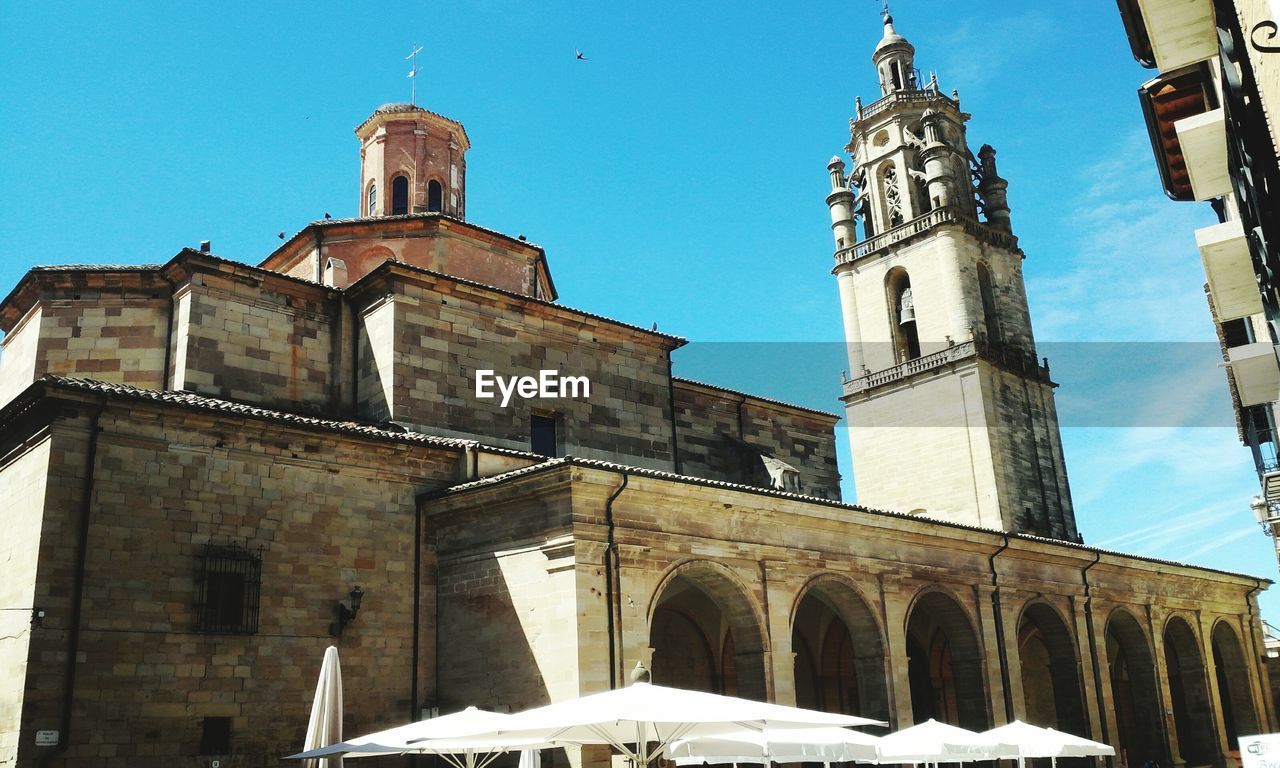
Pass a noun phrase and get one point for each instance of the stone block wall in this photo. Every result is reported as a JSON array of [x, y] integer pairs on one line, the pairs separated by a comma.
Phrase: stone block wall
[[23, 479], [254, 340], [168, 482], [110, 326], [721, 435], [507, 603], [446, 331]]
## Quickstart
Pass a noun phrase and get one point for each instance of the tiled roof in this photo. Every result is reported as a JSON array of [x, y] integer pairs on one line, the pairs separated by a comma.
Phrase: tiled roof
[[200, 402], [399, 217], [756, 397], [671, 476], [95, 267]]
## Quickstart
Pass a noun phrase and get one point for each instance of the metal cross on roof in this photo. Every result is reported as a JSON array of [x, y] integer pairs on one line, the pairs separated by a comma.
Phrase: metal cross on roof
[[413, 73]]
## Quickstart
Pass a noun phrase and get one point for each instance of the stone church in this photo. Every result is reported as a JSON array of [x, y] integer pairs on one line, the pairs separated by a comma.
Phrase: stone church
[[211, 471]]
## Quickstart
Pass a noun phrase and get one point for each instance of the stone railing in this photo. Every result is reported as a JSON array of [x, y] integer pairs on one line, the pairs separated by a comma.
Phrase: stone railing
[[921, 224], [1007, 357], [900, 97], [911, 367]]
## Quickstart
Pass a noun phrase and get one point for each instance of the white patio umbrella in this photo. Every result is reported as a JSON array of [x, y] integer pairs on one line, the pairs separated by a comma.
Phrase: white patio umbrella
[[935, 742], [450, 736], [325, 725], [633, 718], [1034, 741], [791, 745]]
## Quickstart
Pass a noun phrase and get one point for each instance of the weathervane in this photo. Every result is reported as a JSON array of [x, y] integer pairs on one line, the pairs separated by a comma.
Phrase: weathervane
[[413, 73], [886, 13]]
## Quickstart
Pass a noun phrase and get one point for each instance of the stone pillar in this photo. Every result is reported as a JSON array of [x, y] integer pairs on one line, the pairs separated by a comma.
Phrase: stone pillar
[[951, 281], [1009, 604], [1204, 627], [1155, 620], [896, 599], [1088, 685], [780, 596], [847, 282], [991, 653]]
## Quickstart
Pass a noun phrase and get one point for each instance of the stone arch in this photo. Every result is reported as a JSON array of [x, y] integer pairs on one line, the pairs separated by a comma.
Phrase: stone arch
[[400, 194], [839, 649], [1189, 693], [945, 662], [435, 196], [370, 259], [990, 307], [1132, 675], [706, 597], [902, 313], [1050, 669], [1235, 694]]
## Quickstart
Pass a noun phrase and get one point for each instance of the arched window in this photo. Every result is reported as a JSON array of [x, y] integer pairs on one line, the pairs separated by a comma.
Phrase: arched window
[[435, 196], [902, 315], [399, 195], [990, 316], [372, 209]]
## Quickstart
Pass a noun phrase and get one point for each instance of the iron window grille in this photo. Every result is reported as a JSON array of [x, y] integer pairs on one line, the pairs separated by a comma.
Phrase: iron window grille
[[228, 586]]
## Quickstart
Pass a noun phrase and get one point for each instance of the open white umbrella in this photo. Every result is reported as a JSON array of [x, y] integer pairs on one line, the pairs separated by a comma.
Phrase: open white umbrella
[[935, 742], [325, 726], [1034, 741], [450, 736], [791, 745], [632, 719]]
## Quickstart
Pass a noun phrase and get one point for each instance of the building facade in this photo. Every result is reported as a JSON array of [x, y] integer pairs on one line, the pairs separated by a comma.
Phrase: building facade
[[1210, 113], [202, 458]]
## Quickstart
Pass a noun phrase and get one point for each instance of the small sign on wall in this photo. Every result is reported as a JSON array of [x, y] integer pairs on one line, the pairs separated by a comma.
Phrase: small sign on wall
[[1260, 751], [46, 738]]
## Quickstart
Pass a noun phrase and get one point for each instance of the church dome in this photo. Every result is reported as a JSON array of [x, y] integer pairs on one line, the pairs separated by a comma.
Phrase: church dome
[[891, 36]]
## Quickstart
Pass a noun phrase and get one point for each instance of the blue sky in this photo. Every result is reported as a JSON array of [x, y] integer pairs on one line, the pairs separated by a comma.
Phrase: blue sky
[[677, 176]]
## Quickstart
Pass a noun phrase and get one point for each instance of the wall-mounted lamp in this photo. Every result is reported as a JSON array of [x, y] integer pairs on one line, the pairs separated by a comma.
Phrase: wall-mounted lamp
[[1266, 513], [346, 615]]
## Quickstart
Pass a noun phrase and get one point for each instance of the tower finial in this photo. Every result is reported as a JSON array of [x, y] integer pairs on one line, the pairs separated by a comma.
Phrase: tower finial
[[413, 73], [885, 13]]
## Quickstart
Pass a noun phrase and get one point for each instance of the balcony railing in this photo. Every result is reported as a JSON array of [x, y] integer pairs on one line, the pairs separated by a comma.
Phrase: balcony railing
[[1008, 357], [921, 224], [900, 97]]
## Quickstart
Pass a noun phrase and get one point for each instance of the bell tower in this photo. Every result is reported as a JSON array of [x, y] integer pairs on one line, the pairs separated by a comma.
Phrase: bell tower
[[950, 412], [412, 161]]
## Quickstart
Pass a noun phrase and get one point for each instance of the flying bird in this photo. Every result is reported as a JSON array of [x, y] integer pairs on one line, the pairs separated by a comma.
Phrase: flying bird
[[281, 235], [578, 53]]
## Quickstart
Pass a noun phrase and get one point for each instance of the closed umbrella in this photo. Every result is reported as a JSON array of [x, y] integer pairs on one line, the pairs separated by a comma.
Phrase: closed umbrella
[[325, 726], [791, 745]]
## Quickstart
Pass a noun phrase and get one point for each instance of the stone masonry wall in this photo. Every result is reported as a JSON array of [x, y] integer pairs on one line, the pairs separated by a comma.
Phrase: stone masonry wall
[[713, 425], [247, 340], [507, 606], [22, 486], [168, 482], [446, 331]]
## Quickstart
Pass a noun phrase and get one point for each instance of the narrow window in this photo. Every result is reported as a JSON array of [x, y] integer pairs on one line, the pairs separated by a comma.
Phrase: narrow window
[[373, 201], [435, 196], [991, 318], [215, 736], [228, 584], [542, 435], [399, 195]]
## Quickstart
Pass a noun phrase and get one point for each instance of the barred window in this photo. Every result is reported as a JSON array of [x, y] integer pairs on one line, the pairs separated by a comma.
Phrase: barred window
[[228, 583]]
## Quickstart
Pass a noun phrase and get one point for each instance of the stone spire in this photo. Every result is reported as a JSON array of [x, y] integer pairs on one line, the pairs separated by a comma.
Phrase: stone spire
[[894, 58]]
